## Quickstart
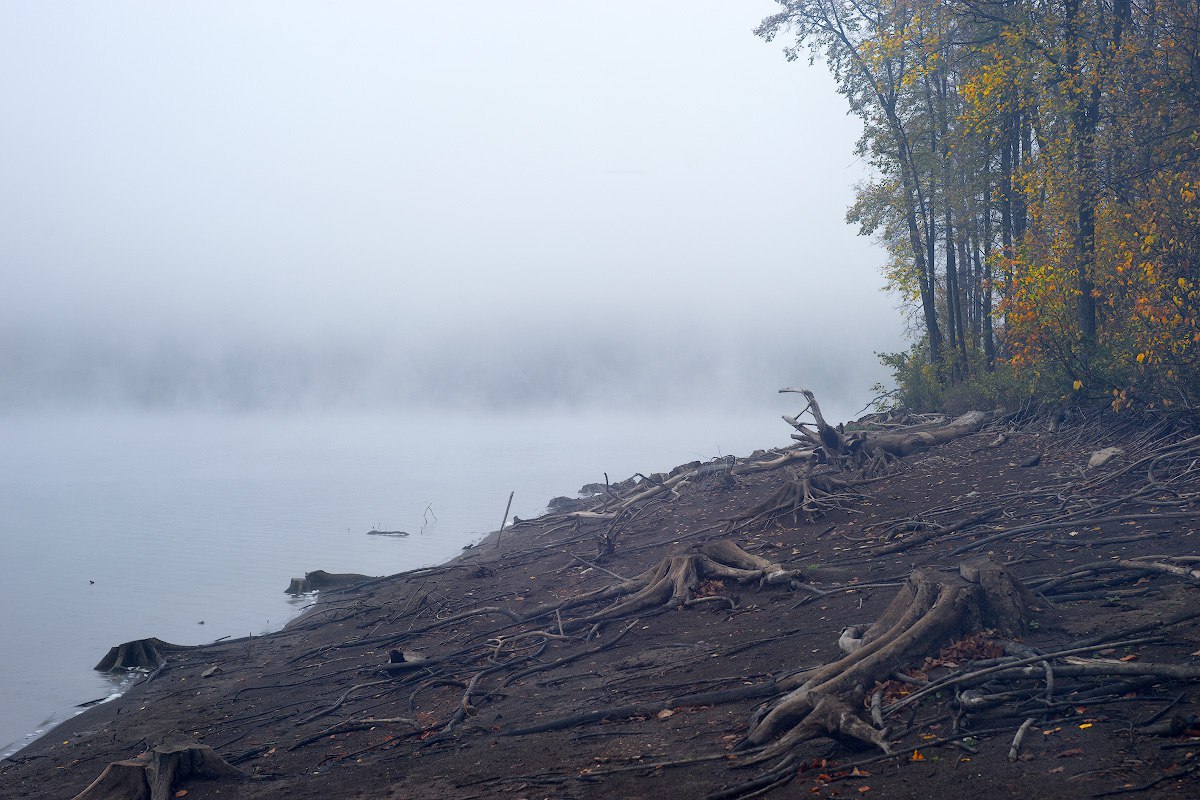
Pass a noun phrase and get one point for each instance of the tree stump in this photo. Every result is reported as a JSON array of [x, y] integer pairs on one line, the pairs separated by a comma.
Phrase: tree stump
[[320, 579], [154, 774], [930, 610], [139, 654]]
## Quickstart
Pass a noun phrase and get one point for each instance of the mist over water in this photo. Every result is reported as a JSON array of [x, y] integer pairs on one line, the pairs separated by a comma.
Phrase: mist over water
[[689, 366], [297, 206], [188, 526], [273, 274]]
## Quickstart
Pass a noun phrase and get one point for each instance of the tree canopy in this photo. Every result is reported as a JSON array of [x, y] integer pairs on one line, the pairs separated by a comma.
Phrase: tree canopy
[[1036, 166]]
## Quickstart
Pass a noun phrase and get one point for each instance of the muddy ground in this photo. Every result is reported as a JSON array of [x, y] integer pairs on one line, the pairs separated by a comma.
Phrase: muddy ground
[[657, 700]]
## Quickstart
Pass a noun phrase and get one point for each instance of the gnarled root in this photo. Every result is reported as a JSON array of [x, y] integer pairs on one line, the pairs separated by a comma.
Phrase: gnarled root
[[928, 612], [147, 654], [674, 581], [724, 559], [811, 494]]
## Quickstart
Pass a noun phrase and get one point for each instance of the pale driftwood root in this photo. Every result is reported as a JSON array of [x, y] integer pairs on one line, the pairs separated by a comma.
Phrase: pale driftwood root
[[905, 443], [154, 774], [929, 611], [901, 443]]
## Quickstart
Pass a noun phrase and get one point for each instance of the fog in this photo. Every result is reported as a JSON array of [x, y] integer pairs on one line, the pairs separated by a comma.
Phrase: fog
[[526, 204]]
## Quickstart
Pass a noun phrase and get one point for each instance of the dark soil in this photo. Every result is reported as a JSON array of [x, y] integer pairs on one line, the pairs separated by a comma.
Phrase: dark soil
[[661, 697]]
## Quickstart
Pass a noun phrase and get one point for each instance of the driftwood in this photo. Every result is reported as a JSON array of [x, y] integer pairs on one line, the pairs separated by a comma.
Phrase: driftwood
[[898, 443], [154, 774]]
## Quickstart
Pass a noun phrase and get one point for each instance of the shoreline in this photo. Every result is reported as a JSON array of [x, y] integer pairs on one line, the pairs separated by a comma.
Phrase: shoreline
[[469, 552], [585, 700], [181, 495], [131, 681]]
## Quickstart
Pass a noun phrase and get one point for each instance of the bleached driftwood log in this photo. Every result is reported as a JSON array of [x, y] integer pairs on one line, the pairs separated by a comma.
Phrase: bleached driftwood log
[[897, 443]]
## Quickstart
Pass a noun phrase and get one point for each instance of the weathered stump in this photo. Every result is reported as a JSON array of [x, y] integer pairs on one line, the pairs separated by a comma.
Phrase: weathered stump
[[320, 579], [154, 774], [929, 611], [138, 654]]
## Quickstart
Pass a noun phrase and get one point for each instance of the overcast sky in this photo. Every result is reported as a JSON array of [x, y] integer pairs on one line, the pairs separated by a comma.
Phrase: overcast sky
[[421, 182]]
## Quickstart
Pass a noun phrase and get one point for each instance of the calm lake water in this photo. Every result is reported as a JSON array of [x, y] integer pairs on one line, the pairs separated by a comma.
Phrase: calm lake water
[[189, 528]]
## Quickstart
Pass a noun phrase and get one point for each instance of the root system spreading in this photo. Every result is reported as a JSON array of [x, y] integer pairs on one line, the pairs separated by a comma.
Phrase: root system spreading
[[891, 605]]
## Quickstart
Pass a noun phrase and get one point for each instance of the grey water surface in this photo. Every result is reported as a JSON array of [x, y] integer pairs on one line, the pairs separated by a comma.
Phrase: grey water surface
[[188, 527]]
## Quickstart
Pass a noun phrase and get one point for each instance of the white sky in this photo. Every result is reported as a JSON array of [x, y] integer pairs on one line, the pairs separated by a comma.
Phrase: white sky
[[410, 172]]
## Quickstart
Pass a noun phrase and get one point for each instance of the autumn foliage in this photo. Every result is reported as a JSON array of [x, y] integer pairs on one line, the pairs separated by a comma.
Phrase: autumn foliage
[[1036, 182]]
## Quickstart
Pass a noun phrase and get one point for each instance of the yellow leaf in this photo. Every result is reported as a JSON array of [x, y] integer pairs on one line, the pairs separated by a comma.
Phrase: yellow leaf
[[916, 756], [1078, 385]]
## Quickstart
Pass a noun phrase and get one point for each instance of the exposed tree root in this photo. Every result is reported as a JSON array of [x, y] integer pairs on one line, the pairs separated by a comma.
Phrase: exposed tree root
[[926, 535], [516, 676], [779, 775], [673, 582], [648, 708], [811, 494], [929, 611]]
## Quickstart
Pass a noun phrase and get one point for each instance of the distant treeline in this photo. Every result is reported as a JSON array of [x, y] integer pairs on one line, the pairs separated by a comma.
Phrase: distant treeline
[[1036, 172]]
